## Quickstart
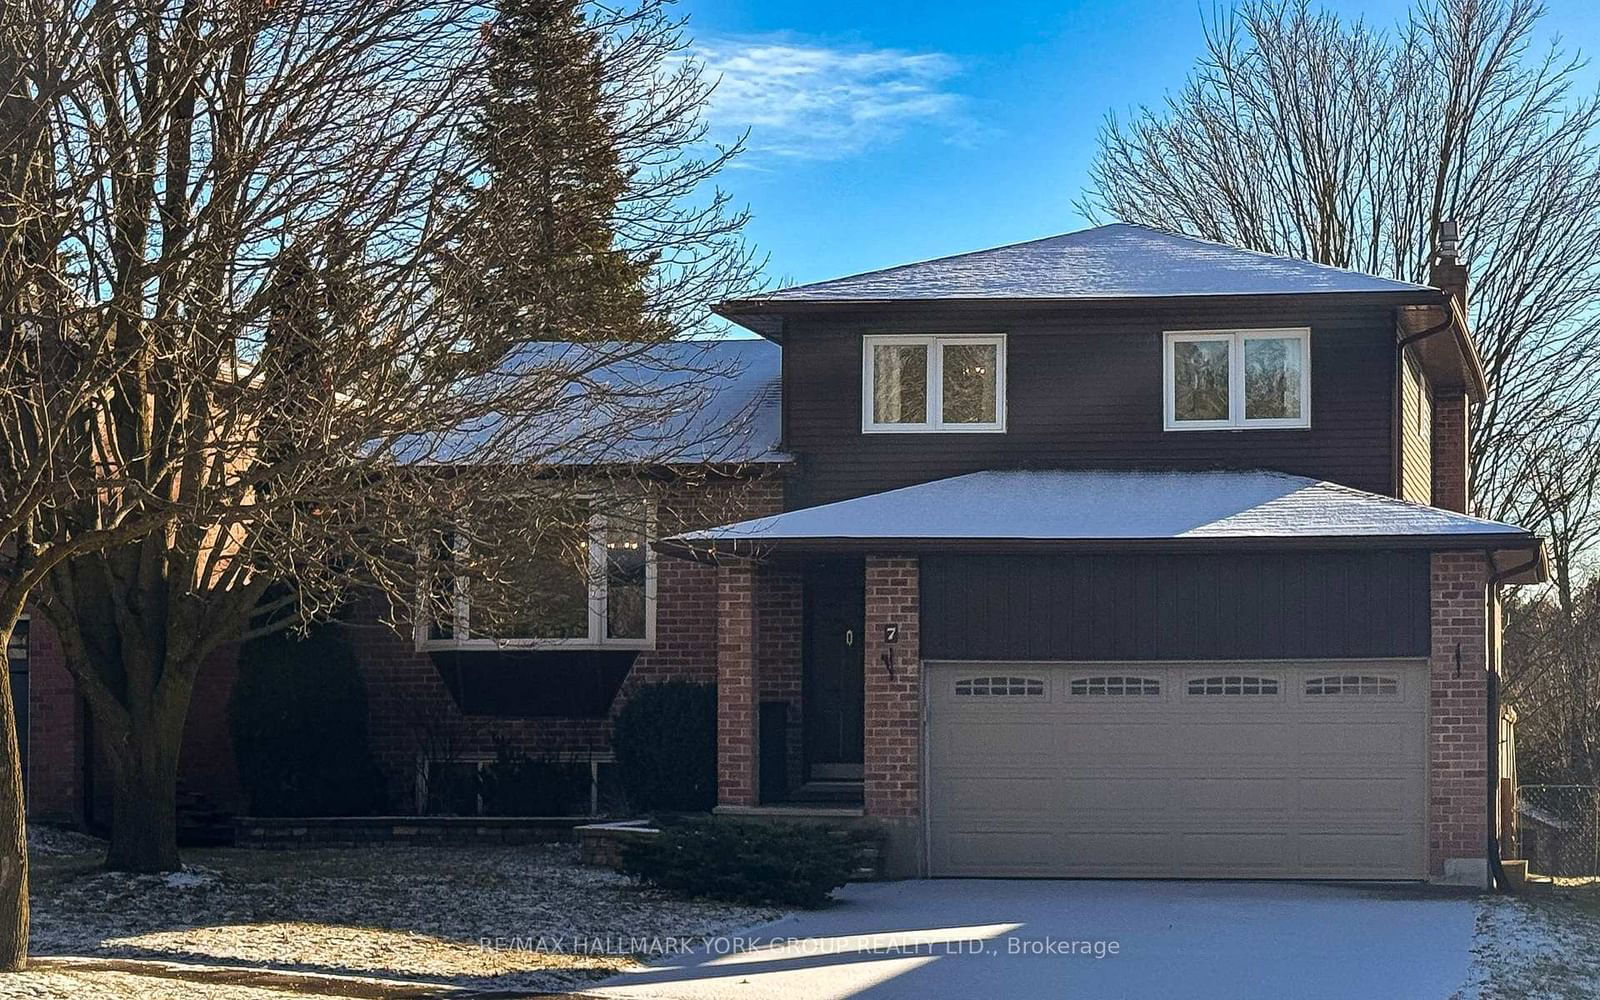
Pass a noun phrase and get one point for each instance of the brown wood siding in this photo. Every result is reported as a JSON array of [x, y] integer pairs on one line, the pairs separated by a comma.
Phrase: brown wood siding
[[1085, 390], [1247, 605], [1416, 433]]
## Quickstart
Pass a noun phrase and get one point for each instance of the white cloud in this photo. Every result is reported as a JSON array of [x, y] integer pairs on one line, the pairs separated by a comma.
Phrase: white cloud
[[815, 102]]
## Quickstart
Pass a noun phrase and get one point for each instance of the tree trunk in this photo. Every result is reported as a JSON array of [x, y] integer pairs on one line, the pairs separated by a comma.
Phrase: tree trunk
[[13, 837], [144, 820]]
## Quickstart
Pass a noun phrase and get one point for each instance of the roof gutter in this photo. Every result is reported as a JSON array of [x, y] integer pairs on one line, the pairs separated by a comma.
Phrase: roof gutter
[[1455, 322]]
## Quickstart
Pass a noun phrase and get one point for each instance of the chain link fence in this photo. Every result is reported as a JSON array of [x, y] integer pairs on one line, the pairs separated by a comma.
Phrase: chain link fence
[[1558, 829]]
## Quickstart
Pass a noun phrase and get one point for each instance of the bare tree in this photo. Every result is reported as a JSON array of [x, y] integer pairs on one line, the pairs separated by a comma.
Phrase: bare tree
[[1302, 134], [261, 206]]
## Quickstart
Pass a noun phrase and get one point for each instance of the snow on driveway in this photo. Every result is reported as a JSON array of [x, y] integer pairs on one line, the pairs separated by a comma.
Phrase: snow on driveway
[[998, 940]]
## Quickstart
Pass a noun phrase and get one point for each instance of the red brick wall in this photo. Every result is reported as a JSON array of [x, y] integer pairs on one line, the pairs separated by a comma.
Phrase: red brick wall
[[778, 665], [1457, 739], [737, 737], [1452, 487], [893, 767], [55, 730], [411, 712]]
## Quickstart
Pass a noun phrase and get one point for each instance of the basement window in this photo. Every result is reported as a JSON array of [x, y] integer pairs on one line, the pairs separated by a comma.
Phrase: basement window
[[1233, 379], [933, 383], [588, 581]]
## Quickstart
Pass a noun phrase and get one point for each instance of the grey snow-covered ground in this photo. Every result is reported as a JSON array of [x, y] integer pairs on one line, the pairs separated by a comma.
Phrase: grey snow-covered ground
[[414, 922], [514, 918]]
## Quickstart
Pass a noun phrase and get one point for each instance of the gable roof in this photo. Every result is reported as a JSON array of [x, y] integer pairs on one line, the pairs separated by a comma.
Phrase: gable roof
[[1170, 508], [1117, 261], [678, 403]]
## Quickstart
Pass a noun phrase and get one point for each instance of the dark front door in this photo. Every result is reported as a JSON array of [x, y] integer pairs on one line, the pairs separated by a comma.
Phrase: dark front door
[[835, 615]]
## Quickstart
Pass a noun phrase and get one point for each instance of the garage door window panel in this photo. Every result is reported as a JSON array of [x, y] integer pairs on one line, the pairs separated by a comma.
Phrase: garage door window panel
[[1354, 685], [1116, 687], [1000, 686], [1234, 686]]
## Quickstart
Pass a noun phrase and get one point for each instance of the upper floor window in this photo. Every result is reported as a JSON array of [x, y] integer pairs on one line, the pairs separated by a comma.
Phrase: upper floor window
[[1238, 378], [589, 581], [933, 383]]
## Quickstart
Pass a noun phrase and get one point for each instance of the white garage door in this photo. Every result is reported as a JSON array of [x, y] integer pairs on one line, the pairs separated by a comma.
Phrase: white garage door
[[1248, 770]]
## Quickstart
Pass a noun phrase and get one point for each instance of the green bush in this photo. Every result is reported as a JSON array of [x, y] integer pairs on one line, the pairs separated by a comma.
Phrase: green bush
[[299, 719], [785, 864], [515, 784], [665, 742]]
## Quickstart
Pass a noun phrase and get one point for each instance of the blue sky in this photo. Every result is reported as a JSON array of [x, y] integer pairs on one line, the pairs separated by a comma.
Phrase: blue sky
[[885, 131]]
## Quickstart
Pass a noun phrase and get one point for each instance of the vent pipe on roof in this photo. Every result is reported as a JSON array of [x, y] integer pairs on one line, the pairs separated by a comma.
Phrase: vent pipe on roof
[[1449, 242]]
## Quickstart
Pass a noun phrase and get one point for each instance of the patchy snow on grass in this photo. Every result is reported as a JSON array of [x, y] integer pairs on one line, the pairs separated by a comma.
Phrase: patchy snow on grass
[[517, 918], [55, 842], [1542, 944]]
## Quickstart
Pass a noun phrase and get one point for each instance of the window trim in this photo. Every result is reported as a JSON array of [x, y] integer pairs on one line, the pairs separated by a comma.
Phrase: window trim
[[935, 344], [599, 595], [1235, 339]]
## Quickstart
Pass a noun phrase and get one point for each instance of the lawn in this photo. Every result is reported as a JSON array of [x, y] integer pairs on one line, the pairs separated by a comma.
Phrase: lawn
[[418, 921], [1543, 943]]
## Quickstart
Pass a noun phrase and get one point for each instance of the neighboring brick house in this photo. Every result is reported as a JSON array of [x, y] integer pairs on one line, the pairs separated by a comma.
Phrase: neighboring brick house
[[434, 701], [1112, 554]]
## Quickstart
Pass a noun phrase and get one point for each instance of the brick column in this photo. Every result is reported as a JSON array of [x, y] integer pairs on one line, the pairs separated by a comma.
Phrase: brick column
[[1458, 746], [737, 739], [893, 765], [779, 673], [1452, 488]]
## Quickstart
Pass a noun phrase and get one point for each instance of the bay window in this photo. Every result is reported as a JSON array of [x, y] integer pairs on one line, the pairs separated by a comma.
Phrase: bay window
[[586, 580]]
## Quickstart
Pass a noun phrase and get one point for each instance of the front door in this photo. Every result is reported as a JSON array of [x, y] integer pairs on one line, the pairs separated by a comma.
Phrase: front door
[[835, 616]]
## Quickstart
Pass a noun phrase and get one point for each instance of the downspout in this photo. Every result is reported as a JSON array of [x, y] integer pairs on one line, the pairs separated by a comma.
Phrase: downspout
[[1497, 871]]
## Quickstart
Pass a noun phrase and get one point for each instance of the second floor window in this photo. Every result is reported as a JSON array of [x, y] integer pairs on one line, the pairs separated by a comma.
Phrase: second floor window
[[1221, 379], [933, 383]]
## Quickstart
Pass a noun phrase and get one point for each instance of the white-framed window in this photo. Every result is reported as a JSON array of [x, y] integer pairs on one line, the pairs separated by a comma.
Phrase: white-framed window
[[1232, 379], [933, 383], [595, 589]]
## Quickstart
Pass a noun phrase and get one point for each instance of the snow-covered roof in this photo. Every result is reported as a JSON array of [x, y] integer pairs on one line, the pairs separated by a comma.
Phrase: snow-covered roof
[[684, 402], [1096, 505], [1107, 262]]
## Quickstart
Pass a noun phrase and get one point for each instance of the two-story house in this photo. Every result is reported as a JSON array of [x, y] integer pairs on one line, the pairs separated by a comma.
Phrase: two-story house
[[1124, 554], [1112, 554]]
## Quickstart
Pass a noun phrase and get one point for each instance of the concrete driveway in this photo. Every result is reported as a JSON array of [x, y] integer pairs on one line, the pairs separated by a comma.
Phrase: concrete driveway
[[999, 940]]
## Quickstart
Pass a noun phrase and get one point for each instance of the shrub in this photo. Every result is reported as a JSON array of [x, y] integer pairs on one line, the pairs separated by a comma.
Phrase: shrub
[[299, 719], [665, 742], [515, 784], [786, 864]]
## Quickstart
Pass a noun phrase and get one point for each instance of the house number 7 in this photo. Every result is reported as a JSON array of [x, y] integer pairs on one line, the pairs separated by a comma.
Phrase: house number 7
[[891, 633]]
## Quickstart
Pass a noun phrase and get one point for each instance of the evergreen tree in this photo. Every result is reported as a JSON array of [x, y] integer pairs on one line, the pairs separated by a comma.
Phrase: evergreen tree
[[541, 262]]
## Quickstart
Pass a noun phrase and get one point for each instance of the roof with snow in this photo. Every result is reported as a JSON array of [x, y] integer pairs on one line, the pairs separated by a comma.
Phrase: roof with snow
[[684, 402], [1117, 261], [1090, 505]]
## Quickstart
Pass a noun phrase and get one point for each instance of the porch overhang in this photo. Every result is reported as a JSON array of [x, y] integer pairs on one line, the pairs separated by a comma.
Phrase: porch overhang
[[1120, 510]]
